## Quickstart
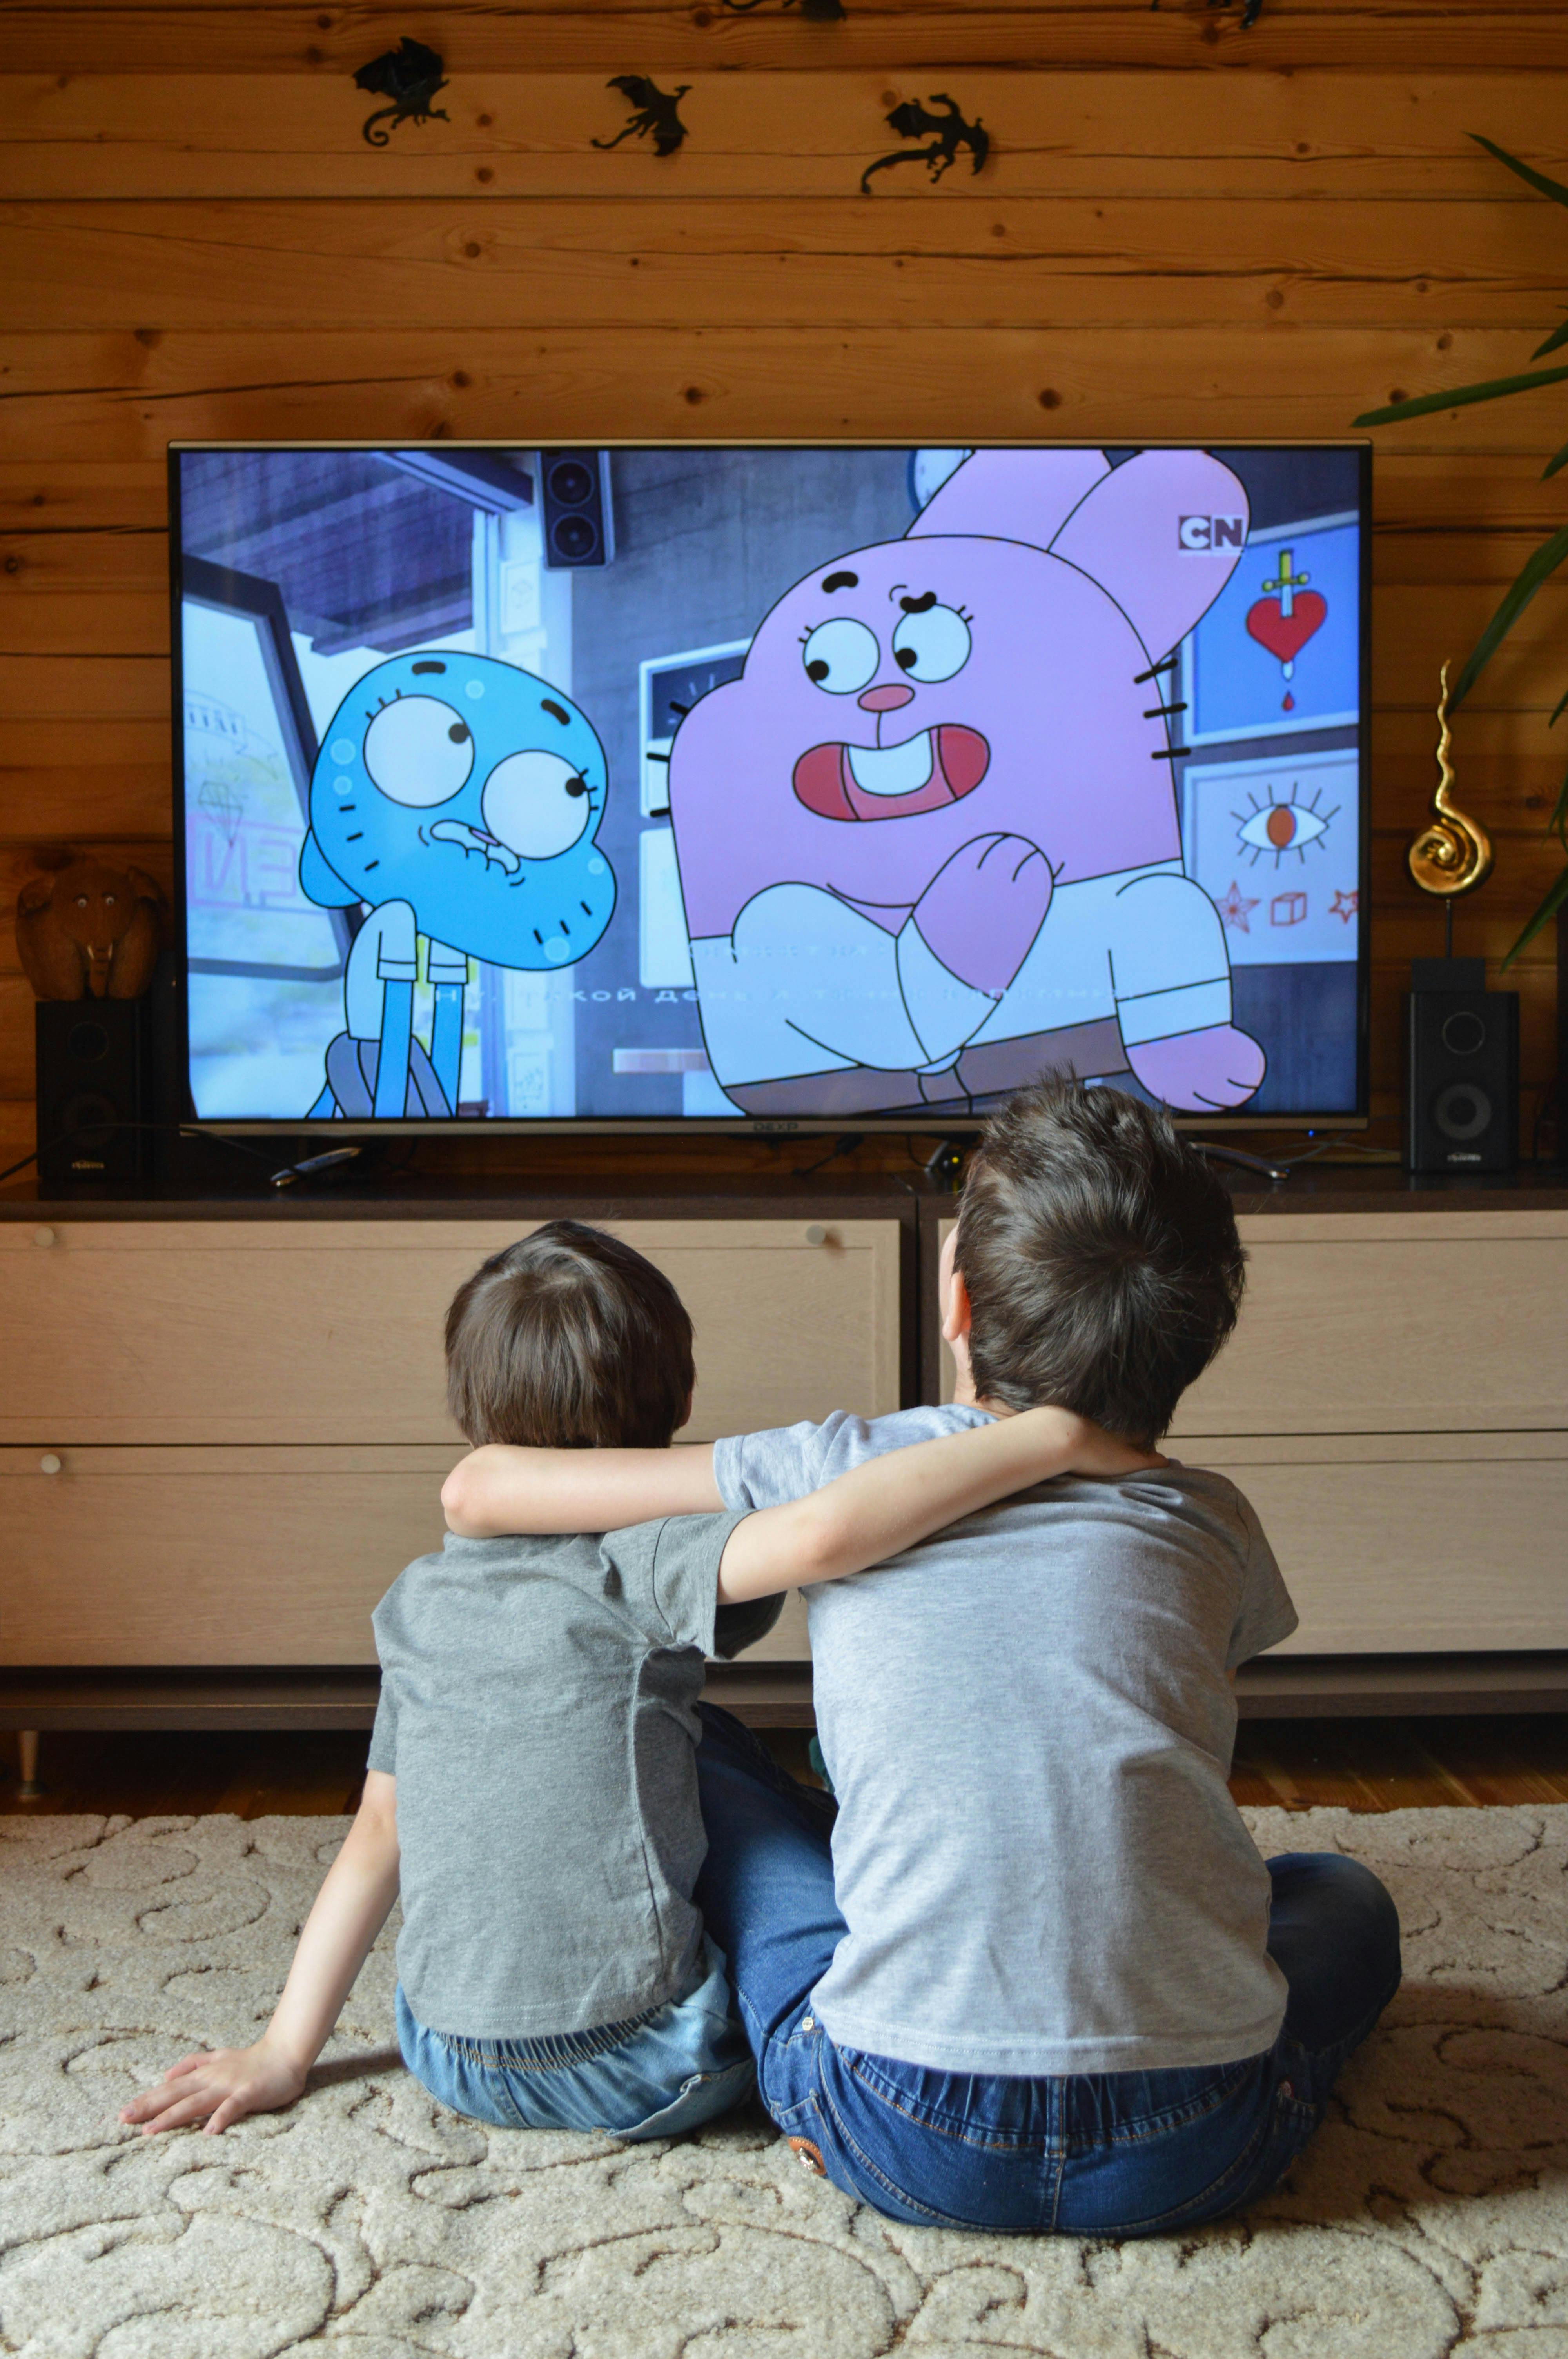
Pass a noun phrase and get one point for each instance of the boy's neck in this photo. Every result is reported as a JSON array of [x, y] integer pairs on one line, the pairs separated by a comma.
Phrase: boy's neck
[[965, 1397]]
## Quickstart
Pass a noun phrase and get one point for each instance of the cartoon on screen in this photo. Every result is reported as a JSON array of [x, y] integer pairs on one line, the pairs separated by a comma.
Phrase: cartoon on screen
[[460, 797], [928, 841]]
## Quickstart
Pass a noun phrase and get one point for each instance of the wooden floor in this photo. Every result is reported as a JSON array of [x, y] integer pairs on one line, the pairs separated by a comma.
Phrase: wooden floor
[[1388, 1765]]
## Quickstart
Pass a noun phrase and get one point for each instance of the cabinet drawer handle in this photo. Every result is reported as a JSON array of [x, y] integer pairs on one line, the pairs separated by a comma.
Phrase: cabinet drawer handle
[[48, 1464], [816, 1235], [46, 1236]]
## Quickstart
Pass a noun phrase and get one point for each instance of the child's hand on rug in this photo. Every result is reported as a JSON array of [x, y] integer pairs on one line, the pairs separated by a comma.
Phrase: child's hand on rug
[[225, 2084], [218, 2087]]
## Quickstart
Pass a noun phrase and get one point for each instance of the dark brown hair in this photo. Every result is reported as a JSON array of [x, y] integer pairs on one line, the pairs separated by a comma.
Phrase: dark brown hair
[[568, 1341], [1101, 1258]]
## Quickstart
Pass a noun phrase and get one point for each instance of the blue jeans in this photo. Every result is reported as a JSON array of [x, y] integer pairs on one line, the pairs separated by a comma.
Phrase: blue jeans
[[659, 2074], [1087, 2154]]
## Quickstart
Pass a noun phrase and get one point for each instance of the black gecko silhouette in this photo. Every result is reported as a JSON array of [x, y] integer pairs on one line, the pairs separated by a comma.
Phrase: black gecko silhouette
[[409, 75], [914, 121], [820, 11], [657, 111]]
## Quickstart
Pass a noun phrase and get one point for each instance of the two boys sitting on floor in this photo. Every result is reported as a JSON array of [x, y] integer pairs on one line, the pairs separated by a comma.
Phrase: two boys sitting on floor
[[1025, 1970]]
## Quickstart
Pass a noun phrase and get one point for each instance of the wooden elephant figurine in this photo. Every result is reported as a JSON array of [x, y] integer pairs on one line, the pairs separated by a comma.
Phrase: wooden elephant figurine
[[90, 932]]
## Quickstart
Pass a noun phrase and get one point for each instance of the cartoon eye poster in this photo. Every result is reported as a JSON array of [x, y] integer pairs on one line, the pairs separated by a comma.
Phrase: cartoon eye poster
[[1278, 650], [1273, 845]]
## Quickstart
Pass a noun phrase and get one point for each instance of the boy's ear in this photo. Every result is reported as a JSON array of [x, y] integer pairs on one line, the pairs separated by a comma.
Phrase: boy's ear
[[952, 1294]]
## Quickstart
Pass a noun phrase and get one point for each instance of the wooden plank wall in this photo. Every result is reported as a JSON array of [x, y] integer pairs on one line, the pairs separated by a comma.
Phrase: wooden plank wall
[[1187, 229]]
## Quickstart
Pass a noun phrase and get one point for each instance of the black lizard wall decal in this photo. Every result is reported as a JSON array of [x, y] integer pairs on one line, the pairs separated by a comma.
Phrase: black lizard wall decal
[[655, 111], [952, 135], [409, 75], [820, 11]]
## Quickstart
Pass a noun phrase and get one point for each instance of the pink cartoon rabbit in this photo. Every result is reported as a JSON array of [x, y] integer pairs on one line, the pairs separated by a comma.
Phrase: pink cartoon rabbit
[[928, 841]]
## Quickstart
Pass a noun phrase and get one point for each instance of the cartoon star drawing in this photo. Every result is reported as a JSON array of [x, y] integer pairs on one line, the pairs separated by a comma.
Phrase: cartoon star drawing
[[1345, 905], [1234, 908]]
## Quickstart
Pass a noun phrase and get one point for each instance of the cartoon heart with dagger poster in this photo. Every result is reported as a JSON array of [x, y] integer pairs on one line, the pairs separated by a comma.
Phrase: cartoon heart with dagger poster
[[1284, 619], [1278, 650]]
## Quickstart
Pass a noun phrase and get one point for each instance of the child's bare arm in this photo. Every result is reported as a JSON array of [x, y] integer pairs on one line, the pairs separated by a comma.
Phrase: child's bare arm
[[889, 1503], [224, 2084], [502, 1488]]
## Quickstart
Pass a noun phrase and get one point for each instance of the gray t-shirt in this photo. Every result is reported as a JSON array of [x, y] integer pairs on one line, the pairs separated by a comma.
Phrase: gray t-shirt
[[1029, 1728], [538, 1711]]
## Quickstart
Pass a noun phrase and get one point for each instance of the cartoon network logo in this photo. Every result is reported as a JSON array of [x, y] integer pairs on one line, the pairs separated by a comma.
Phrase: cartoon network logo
[[1211, 532]]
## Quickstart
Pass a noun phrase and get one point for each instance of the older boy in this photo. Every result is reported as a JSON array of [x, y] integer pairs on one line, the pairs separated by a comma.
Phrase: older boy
[[1036, 1975]]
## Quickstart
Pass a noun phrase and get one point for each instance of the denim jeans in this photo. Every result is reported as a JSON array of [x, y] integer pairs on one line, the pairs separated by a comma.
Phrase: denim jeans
[[1085, 2154], [659, 2074]]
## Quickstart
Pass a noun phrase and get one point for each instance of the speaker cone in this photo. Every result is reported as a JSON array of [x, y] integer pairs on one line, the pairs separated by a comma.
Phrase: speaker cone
[[1462, 1111]]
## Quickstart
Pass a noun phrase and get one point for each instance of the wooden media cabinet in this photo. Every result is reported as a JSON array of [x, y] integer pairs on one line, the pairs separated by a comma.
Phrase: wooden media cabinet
[[222, 1430]]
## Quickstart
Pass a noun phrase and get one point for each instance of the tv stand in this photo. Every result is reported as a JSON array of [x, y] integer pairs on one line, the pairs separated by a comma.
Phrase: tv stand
[[221, 1430]]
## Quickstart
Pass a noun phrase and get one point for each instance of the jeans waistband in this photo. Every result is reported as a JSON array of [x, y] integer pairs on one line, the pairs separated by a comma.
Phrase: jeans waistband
[[548, 2053]]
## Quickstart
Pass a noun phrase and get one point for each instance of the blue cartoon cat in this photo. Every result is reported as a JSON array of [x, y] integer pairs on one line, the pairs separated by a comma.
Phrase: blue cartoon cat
[[460, 797]]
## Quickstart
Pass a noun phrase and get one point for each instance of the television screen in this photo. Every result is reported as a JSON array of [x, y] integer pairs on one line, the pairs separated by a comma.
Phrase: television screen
[[817, 785]]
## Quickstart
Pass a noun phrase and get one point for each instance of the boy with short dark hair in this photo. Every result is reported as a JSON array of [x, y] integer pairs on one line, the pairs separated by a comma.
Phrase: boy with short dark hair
[[532, 1787], [1042, 1978]]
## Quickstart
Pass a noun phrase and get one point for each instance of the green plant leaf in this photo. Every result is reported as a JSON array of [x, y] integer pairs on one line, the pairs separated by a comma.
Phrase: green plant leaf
[[1557, 894], [1460, 396], [1560, 458], [1553, 189], [1555, 342], [1536, 569], [1561, 708]]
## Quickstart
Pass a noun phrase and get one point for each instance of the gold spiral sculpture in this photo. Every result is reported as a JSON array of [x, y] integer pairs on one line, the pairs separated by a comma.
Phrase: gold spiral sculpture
[[1452, 855]]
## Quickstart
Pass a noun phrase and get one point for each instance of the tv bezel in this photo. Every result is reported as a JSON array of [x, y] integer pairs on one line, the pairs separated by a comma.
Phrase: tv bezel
[[926, 1121]]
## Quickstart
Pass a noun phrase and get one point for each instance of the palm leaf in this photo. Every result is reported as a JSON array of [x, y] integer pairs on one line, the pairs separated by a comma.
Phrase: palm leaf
[[1558, 337], [1536, 570], [1556, 897], [1460, 396], [1557, 893], [1561, 708], [1553, 189], [1552, 464]]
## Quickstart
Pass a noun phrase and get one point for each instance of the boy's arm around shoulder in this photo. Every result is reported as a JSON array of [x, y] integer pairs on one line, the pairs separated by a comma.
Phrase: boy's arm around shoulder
[[503, 1488], [891, 1502]]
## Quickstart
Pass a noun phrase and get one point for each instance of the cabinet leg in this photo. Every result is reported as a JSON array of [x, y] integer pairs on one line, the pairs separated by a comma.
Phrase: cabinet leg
[[27, 1746]]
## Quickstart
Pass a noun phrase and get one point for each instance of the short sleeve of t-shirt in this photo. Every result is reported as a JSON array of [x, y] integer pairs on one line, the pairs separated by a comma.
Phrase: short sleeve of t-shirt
[[1266, 1614], [384, 1735], [766, 1470], [668, 1574]]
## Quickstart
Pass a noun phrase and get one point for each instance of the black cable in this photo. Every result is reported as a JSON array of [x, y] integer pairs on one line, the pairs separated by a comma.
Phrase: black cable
[[845, 1144]]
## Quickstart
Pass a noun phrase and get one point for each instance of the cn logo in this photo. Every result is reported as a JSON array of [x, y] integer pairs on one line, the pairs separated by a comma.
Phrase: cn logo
[[1211, 532]]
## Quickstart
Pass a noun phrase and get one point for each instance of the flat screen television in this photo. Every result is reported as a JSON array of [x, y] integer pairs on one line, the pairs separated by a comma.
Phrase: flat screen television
[[813, 786]]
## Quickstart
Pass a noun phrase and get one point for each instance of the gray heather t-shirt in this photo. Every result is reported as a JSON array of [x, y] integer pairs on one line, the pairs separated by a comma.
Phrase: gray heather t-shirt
[[538, 1711], [1029, 1728]]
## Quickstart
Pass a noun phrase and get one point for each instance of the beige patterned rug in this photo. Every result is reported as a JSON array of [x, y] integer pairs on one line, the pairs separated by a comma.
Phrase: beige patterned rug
[[1430, 2217]]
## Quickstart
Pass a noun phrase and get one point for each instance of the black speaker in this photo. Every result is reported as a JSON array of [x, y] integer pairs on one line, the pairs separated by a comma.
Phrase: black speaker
[[92, 1061], [580, 524], [1461, 1066]]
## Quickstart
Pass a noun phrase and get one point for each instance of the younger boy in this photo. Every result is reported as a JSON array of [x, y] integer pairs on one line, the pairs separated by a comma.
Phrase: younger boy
[[532, 1783], [1042, 1979]]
